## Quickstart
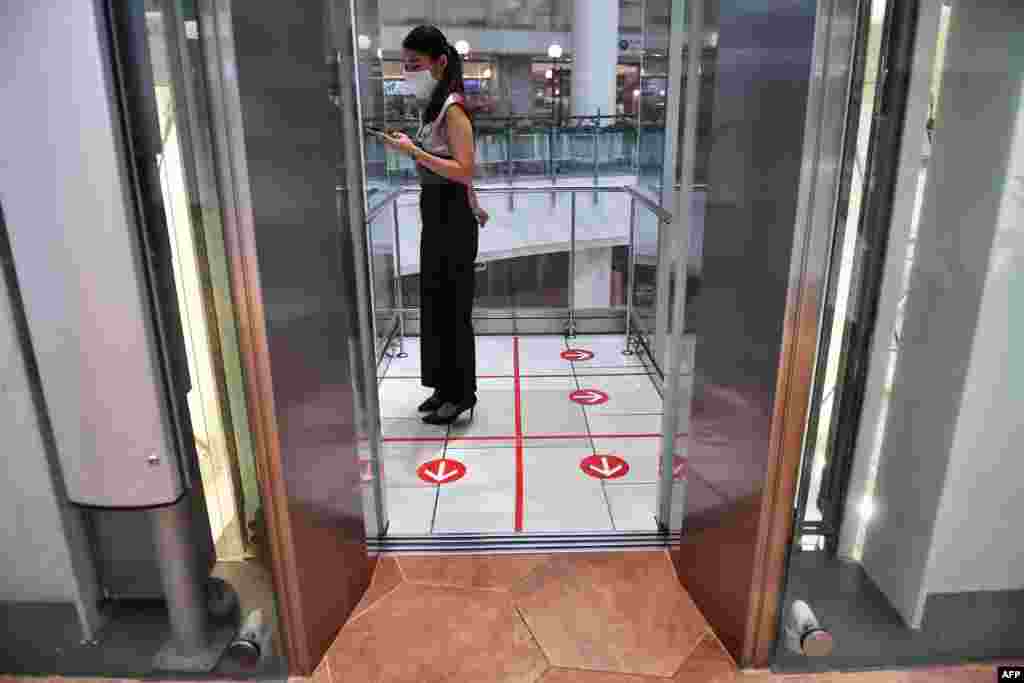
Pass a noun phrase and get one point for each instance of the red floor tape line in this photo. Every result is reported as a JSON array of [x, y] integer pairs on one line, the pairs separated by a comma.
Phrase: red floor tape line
[[512, 437], [519, 436]]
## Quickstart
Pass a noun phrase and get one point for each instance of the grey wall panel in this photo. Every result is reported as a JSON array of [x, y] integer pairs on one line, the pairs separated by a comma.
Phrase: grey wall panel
[[45, 554], [77, 256], [764, 68], [947, 493], [35, 564]]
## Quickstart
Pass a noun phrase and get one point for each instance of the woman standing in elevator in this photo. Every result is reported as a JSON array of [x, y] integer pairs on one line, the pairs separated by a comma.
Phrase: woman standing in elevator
[[451, 217]]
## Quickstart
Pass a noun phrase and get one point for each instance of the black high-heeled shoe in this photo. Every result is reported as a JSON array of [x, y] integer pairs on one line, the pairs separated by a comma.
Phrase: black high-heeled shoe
[[432, 403], [449, 413]]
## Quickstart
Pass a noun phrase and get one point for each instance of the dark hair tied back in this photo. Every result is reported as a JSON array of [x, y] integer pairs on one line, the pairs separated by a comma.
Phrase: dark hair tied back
[[430, 41]]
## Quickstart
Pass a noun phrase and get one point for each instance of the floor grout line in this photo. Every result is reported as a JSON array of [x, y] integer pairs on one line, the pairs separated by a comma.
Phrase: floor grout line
[[596, 372], [593, 448], [441, 584], [693, 649], [578, 377], [401, 569], [433, 515], [326, 663], [525, 437], [373, 605], [533, 636], [520, 475]]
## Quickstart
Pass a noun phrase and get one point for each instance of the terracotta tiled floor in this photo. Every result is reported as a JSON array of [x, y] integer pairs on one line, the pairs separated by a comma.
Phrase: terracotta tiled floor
[[569, 618]]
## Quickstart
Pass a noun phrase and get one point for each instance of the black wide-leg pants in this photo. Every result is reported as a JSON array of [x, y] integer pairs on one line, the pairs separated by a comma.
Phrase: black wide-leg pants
[[448, 250]]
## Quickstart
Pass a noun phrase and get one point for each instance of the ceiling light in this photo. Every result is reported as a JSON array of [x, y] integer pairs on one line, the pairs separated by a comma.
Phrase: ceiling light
[[364, 42], [462, 47], [555, 51]]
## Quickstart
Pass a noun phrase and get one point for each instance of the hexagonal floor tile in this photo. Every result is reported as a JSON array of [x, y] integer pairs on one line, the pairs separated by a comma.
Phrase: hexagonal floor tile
[[578, 676], [429, 633], [603, 612], [709, 663], [493, 572], [386, 576]]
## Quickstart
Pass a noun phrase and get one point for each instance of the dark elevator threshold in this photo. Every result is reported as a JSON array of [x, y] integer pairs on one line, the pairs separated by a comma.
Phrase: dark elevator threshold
[[869, 633], [41, 639]]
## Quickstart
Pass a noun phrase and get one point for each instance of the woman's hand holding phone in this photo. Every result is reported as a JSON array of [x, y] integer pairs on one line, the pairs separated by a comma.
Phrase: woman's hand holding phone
[[396, 140]]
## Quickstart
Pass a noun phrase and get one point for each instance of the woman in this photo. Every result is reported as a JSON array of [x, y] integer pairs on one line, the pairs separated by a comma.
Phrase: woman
[[444, 156]]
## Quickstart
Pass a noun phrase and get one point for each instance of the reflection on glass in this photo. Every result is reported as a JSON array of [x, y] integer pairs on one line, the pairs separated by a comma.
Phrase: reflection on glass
[[214, 440], [382, 262], [866, 504], [813, 513]]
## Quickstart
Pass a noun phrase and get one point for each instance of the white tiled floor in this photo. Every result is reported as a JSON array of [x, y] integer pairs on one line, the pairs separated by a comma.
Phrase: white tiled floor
[[556, 434]]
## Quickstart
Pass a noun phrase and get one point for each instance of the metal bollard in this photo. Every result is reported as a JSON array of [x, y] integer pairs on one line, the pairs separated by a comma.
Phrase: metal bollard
[[804, 634], [253, 642]]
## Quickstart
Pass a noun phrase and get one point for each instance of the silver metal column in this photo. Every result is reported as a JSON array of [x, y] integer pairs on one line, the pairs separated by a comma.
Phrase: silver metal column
[[670, 181], [508, 166], [572, 266], [597, 128], [353, 203], [551, 165], [399, 293], [192, 647], [670, 416], [630, 274]]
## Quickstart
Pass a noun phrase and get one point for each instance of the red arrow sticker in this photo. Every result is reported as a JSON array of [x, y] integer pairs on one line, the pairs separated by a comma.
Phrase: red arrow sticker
[[604, 466], [577, 355], [441, 471], [588, 397]]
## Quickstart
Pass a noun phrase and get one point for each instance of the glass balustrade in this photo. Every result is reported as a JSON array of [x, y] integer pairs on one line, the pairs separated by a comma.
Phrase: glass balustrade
[[381, 239], [574, 258]]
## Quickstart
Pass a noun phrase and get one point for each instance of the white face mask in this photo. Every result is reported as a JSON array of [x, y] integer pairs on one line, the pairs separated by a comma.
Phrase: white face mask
[[422, 83]]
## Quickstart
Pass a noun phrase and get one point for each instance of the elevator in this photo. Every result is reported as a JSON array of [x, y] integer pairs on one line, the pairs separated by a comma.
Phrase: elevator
[[271, 266]]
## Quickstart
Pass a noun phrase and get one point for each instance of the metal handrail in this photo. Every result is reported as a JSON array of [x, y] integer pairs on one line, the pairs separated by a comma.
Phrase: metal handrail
[[378, 208], [636, 198], [555, 136], [662, 214], [536, 120]]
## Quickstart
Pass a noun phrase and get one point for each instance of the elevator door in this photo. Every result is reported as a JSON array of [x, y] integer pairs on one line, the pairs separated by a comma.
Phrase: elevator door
[[284, 108], [287, 112]]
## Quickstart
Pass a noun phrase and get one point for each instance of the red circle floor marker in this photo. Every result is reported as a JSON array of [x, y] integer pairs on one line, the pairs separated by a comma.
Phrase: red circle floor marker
[[577, 355], [604, 466], [441, 471], [588, 397]]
